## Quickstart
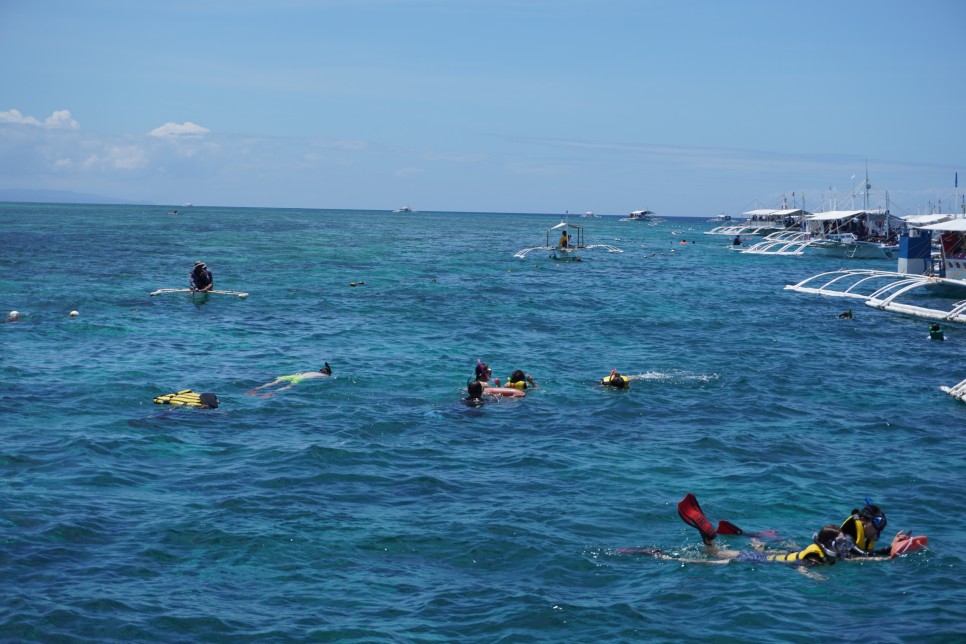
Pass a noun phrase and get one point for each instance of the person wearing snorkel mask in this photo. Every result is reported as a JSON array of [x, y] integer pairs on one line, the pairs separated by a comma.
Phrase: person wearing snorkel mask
[[865, 526], [828, 545]]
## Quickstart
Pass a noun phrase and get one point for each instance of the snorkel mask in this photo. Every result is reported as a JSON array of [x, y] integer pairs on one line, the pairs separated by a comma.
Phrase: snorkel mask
[[839, 547], [873, 515]]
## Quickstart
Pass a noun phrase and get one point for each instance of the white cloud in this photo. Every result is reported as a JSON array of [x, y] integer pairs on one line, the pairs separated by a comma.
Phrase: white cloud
[[175, 130], [59, 120]]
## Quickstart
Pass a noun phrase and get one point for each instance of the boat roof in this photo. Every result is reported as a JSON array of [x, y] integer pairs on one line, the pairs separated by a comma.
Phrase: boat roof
[[778, 213], [563, 224], [953, 225], [926, 220], [642, 212], [834, 214]]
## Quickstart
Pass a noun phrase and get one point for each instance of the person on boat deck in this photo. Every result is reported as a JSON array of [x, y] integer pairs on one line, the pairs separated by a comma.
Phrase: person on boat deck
[[292, 380], [864, 527], [564, 239], [200, 277], [521, 380]]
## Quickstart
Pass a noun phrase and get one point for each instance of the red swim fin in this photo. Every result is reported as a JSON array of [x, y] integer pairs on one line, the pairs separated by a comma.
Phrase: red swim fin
[[691, 514], [726, 527]]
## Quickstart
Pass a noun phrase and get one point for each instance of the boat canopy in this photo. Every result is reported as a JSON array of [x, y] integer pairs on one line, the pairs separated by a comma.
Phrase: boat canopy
[[769, 212], [954, 225], [917, 221], [833, 215], [564, 224]]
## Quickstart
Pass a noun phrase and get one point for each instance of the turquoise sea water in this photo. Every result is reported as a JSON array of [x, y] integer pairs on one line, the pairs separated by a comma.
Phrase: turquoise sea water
[[372, 506]]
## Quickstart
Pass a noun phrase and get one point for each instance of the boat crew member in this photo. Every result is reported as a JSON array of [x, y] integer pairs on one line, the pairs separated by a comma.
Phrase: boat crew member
[[200, 277], [564, 239], [737, 241]]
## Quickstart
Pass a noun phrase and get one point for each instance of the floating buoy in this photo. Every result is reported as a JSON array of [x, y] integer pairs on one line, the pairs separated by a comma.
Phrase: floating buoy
[[13, 316], [74, 314]]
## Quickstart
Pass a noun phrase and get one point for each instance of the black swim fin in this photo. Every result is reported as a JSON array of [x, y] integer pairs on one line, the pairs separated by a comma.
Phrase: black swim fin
[[691, 514]]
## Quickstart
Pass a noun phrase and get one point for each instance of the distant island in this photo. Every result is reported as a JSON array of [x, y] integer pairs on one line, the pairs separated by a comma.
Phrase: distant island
[[57, 196]]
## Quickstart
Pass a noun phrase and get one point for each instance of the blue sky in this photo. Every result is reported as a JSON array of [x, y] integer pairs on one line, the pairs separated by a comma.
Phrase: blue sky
[[687, 108]]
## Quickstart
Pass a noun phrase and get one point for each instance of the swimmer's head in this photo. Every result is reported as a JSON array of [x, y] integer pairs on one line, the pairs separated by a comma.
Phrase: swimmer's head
[[208, 401], [475, 389], [74, 314], [327, 370], [13, 316]]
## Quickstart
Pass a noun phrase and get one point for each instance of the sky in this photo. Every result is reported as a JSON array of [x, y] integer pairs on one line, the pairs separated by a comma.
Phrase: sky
[[686, 108]]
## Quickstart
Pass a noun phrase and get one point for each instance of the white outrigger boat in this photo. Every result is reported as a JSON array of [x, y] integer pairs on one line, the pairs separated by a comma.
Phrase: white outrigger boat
[[849, 234], [933, 280], [641, 215], [570, 251], [197, 295], [761, 222], [956, 391]]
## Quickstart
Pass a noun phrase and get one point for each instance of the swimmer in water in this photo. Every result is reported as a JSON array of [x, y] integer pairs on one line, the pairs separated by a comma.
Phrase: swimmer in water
[[290, 381], [474, 396]]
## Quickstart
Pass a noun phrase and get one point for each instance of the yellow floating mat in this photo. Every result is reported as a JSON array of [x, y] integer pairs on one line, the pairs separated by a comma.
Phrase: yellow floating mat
[[183, 397]]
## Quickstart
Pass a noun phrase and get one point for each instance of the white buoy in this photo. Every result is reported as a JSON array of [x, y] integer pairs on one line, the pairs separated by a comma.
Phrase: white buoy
[[13, 316], [74, 314]]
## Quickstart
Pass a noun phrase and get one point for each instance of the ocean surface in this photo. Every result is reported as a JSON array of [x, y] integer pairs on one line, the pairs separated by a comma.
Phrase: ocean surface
[[373, 506]]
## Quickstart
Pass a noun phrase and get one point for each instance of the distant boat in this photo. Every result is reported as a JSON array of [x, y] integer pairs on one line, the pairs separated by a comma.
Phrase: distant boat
[[641, 215], [403, 209]]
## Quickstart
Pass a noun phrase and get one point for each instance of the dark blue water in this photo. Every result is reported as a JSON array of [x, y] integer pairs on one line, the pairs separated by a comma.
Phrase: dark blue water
[[373, 506]]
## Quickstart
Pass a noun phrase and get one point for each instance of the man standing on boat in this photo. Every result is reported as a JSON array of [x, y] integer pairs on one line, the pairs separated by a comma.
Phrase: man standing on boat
[[200, 277]]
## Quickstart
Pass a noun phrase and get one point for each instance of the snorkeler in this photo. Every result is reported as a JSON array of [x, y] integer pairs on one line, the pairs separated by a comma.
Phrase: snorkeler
[[865, 526], [292, 380], [475, 394], [521, 380], [616, 380], [828, 544]]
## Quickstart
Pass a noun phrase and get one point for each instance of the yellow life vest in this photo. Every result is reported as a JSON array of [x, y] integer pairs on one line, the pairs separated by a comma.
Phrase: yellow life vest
[[184, 397], [814, 552], [854, 525], [620, 382], [519, 384]]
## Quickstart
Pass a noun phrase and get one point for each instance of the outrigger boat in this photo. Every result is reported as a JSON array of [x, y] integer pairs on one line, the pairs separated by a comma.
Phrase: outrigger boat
[[850, 234], [641, 215], [935, 280], [761, 222], [568, 252], [197, 295]]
